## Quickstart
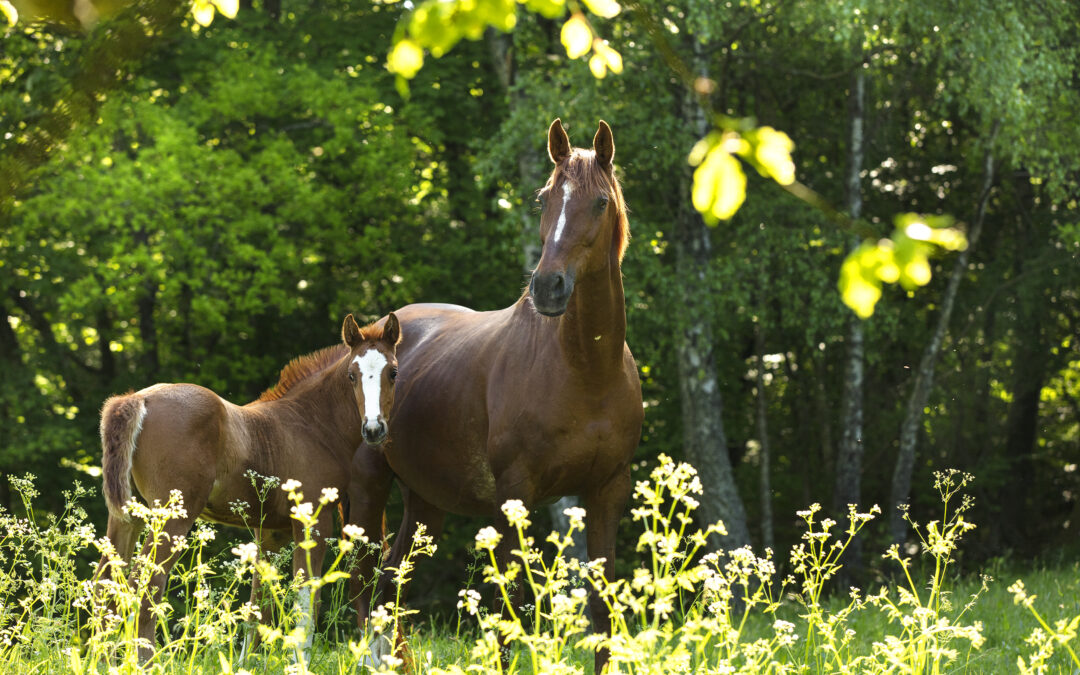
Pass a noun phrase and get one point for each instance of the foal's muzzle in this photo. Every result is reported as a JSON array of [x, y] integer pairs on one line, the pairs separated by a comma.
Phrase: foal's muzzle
[[375, 431], [551, 292]]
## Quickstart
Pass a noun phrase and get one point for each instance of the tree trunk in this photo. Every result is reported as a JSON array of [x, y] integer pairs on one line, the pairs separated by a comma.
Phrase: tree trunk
[[924, 377], [849, 456], [704, 440], [764, 480]]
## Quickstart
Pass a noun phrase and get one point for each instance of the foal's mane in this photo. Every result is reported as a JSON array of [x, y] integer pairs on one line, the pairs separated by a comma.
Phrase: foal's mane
[[582, 169], [303, 367]]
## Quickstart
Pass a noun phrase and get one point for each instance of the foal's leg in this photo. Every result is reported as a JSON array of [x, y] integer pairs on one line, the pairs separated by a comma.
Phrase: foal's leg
[[369, 490], [309, 596], [270, 541], [123, 534], [604, 507], [165, 558]]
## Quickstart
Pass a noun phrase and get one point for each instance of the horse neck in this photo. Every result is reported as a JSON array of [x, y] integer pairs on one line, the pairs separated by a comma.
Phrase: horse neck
[[327, 404], [593, 329]]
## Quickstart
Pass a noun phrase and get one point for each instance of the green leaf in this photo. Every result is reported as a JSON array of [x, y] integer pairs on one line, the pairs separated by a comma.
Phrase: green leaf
[[335, 576], [227, 7], [405, 59], [576, 36], [9, 11], [860, 289], [604, 8], [203, 12], [772, 150], [719, 185], [549, 9]]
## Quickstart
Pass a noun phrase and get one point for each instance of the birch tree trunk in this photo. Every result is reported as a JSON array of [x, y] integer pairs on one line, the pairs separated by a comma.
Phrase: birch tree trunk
[[924, 377], [704, 441], [849, 456]]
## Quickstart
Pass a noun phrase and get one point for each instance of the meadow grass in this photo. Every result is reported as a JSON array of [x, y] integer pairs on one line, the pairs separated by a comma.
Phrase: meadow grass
[[685, 609]]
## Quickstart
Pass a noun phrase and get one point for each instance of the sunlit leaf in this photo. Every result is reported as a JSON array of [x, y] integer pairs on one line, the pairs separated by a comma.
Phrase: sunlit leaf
[[719, 185], [405, 59], [610, 57], [203, 12], [859, 289], [227, 7], [551, 9], [773, 152], [597, 66], [9, 11], [916, 271], [576, 36], [604, 8]]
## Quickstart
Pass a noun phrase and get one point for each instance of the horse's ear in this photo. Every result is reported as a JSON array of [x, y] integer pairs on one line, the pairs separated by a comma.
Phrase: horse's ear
[[391, 332], [604, 145], [558, 142], [350, 331]]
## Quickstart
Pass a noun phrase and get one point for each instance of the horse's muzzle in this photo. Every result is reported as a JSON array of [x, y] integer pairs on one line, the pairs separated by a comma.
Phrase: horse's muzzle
[[375, 432], [551, 292]]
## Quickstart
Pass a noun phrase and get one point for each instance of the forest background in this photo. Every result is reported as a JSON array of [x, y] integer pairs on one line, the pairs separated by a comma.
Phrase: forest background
[[202, 204]]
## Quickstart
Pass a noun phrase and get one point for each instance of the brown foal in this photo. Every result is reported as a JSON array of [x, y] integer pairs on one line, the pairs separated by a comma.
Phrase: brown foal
[[185, 437]]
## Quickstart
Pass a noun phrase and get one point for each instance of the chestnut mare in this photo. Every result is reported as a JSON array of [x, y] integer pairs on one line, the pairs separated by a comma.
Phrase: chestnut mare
[[185, 437], [533, 402]]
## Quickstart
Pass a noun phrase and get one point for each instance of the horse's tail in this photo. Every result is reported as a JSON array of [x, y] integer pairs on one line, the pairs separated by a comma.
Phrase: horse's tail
[[121, 421]]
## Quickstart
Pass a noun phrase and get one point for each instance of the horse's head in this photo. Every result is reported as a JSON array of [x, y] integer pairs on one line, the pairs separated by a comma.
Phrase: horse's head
[[582, 220], [372, 369]]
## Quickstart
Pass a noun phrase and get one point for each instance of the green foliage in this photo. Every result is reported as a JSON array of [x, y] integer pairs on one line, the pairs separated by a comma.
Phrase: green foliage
[[903, 258]]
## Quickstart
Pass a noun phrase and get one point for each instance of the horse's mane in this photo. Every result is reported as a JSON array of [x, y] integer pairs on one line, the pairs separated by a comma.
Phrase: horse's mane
[[582, 169], [303, 367]]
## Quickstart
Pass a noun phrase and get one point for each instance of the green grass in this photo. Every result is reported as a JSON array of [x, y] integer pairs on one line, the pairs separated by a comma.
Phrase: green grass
[[680, 611]]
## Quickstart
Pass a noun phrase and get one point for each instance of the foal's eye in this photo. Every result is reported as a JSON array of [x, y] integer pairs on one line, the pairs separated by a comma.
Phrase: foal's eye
[[352, 376], [393, 374]]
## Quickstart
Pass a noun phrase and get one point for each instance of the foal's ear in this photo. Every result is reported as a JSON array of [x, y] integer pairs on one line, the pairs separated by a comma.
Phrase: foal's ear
[[350, 331], [604, 145], [558, 142], [391, 332]]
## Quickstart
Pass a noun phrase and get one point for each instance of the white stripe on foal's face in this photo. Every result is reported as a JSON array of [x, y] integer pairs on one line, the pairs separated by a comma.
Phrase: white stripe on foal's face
[[371, 365], [567, 190]]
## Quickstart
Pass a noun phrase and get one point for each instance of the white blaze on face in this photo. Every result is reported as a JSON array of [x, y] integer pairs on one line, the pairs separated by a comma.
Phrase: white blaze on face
[[371, 365], [567, 190]]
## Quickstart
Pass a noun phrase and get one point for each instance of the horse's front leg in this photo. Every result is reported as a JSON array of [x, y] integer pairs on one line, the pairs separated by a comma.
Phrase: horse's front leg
[[370, 481], [308, 559], [392, 586], [270, 541], [604, 507], [510, 604]]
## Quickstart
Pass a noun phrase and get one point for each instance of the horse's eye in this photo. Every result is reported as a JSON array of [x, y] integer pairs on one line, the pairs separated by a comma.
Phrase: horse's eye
[[542, 199], [393, 374], [352, 376], [601, 204]]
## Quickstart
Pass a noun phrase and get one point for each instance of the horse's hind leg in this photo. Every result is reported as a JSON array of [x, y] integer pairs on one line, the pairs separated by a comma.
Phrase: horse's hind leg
[[160, 552], [123, 535], [110, 578]]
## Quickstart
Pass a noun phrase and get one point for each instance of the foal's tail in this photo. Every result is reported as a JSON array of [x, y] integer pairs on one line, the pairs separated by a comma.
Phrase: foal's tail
[[121, 421]]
